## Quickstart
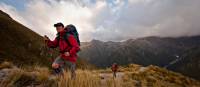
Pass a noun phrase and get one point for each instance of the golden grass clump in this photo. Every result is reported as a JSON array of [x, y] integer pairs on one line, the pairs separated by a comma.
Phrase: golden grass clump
[[6, 65], [153, 76], [83, 78], [20, 77]]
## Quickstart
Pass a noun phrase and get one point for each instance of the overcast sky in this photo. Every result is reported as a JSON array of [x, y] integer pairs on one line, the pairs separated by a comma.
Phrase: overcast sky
[[114, 20]]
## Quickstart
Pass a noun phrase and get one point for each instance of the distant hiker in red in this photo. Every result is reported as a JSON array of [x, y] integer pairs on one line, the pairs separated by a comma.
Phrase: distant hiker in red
[[68, 43], [114, 69]]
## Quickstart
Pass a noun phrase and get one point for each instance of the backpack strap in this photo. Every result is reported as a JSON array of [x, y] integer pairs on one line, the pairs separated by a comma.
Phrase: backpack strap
[[66, 35]]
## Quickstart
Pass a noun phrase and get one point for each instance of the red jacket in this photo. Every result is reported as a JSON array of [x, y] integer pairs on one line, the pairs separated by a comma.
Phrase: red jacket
[[114, 67], [73, 48]]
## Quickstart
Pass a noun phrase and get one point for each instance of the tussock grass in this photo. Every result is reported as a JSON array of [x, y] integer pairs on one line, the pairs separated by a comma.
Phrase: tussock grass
[[83, 78], [153, 76], [36, 76], [6, 65], [134, 76], [20, 77]]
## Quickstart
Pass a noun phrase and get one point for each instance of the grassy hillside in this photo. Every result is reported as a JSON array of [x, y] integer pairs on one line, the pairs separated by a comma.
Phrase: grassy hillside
[[18, 43], [130, 76]]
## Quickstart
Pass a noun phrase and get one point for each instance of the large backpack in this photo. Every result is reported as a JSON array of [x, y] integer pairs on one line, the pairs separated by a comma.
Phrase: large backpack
[[71, 30]]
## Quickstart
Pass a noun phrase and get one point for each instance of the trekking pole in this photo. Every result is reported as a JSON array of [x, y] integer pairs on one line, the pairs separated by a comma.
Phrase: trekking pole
[[49, 51], [50, 55]]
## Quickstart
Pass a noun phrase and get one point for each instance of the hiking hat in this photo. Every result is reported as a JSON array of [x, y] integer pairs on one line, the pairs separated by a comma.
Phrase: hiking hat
[[58, 24]]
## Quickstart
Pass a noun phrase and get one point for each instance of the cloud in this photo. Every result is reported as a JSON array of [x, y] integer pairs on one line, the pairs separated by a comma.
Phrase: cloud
[[41, 15], [114, 20]]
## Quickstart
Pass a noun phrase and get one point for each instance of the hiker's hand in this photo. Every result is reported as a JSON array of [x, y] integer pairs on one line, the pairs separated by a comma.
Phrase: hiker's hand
[[55, 66], [67, 54], [46, 38]]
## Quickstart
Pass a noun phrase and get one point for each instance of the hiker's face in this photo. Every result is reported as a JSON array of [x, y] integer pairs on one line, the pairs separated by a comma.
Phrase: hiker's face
[[59, 28]]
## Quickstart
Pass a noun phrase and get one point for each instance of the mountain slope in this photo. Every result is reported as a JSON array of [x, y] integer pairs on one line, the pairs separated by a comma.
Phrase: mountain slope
[[147, 51], [189, 64], [18, 43], [144, 51]]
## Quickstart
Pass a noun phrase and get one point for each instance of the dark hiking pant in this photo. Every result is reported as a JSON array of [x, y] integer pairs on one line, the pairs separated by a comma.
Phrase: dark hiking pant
[[114, 74], [65, 65]]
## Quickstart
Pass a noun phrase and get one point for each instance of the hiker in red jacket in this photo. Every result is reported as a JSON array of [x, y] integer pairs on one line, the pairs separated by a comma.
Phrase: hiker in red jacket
[[114, 69], [68, 49]]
